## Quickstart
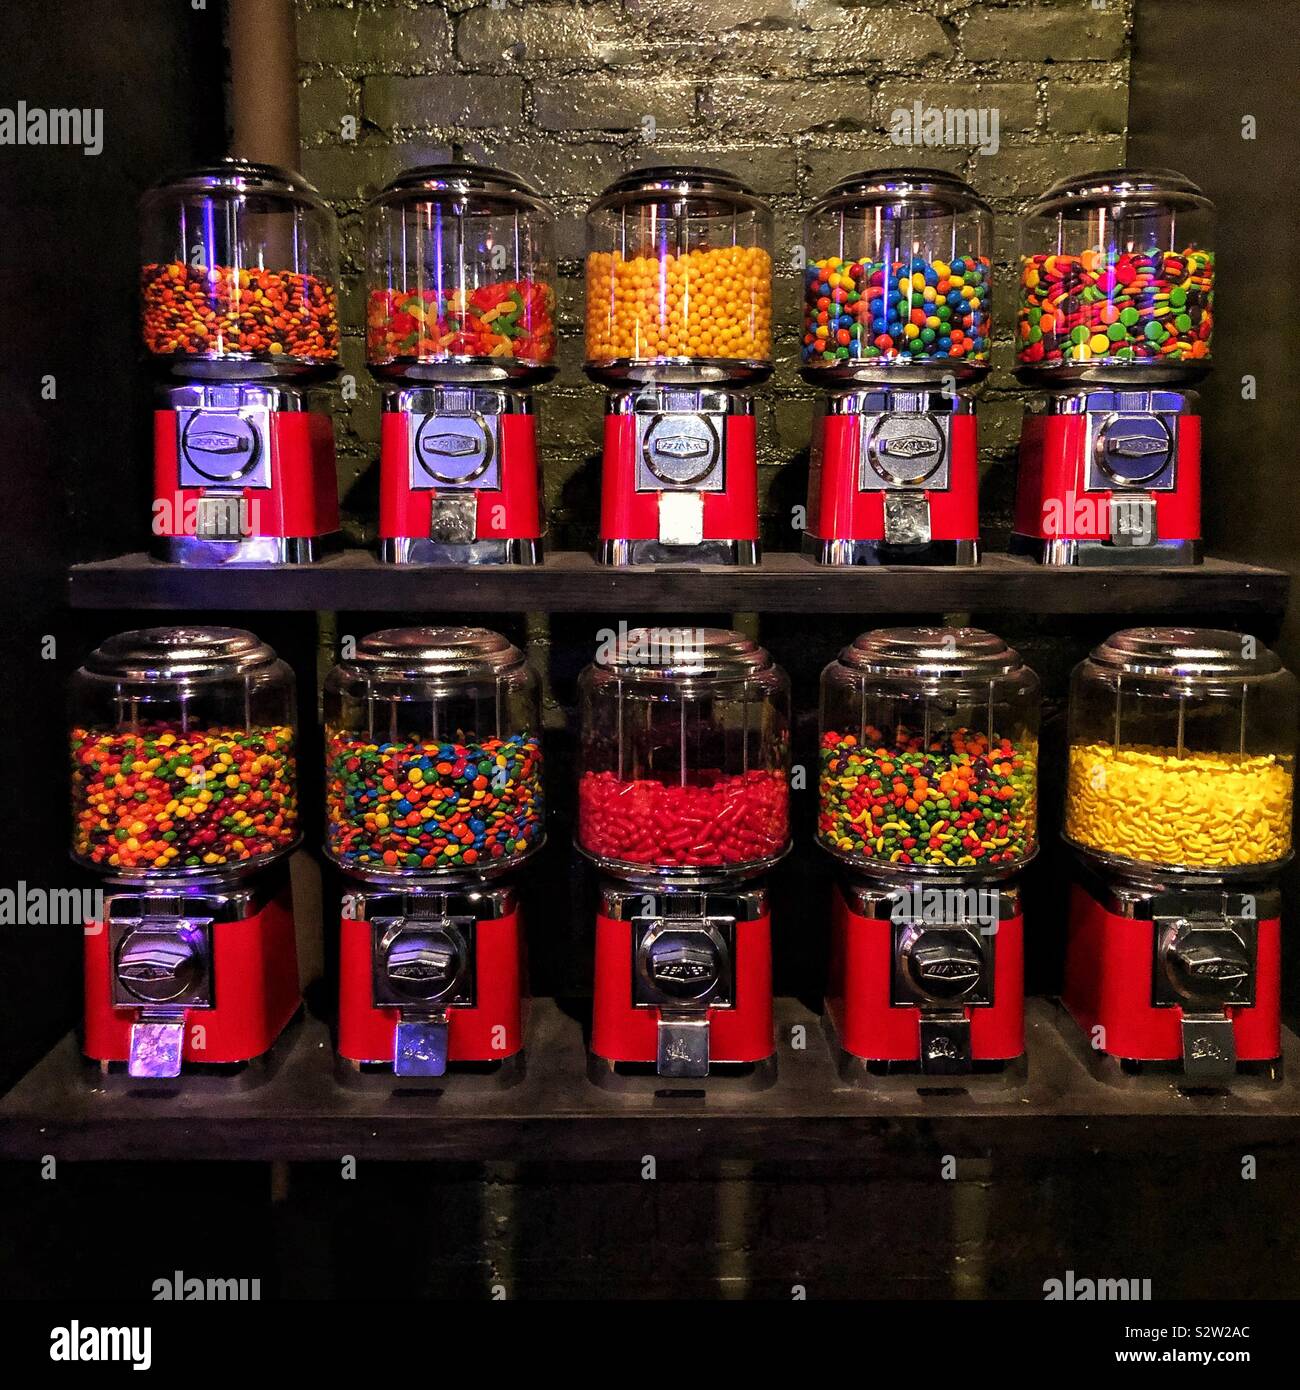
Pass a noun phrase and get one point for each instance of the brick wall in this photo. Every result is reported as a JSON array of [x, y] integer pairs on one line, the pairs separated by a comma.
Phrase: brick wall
[[790, 94]]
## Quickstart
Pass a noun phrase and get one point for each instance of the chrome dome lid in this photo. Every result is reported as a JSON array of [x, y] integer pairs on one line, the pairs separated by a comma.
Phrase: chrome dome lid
[[417, 652], [1185, 653], [932, 652], [684, 653], [160, 654]]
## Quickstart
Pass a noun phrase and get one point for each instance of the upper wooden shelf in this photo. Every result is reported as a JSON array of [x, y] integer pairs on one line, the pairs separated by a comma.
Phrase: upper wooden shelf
[[572, 581]]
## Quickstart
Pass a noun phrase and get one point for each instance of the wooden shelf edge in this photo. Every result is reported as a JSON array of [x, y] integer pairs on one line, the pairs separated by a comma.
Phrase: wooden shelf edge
[[572, 581], [555, 1114]]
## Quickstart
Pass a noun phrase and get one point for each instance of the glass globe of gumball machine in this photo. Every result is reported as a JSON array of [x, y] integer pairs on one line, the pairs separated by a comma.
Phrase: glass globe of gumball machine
[[434, 803], [679, 327], [1115, 321], [184, 795], [896, 327], [460, 325], [683, 806], [239, 317], [1178, 807], [928, 792]]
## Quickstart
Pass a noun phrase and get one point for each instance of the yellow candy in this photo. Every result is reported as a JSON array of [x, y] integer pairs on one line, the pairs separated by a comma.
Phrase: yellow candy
[[1198, 810]]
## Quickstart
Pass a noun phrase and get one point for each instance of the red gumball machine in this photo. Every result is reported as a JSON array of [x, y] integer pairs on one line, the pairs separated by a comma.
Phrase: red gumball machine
[[184, 799], [239, 317], [433, 802], [1179, 808], [460, 326], [679, 327], [896, 329], [683, 805], [1115, 321], [928, 798]]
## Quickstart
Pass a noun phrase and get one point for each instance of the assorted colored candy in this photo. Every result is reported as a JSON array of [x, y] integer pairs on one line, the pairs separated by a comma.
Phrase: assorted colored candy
[[714, 303], [160, 798], [715, 821], [957, 801], [220, 311], [1132, 306], [435, 806], [907, 311], [513, 320], [1198, 810]]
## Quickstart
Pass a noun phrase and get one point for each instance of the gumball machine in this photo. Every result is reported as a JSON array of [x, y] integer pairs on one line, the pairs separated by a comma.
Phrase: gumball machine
[[460, 325], [239, 318], [433, 803], [1115, 321], [1178, 807], [896, 330], [679, 327], [184, 800], [683, 806], [928, 801]]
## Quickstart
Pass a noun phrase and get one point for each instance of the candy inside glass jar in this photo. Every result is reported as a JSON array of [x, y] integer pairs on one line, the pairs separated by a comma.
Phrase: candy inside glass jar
[[433, 759], [1117, 276], [460, 276], [685, 755], [897, 276], [929, 753], [679, 279], [1182, 751], [182, 747], [239, 272]]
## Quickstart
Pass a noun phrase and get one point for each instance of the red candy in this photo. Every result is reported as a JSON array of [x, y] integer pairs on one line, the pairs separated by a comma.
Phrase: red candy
[[713, 822]]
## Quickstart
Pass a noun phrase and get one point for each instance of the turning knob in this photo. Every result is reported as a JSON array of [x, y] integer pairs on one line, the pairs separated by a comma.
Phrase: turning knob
[[943, 965], [685, 966], [424, 963], [1207, 963], [158, 967]]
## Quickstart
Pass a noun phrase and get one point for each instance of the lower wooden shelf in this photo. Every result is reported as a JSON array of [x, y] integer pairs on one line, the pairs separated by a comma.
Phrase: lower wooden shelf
[[301, 1112]]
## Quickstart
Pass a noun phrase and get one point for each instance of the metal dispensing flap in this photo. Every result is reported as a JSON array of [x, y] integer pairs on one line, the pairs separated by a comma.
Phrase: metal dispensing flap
[[682, 181], [461, 180], [179, 654], [928, 652], [1185, 653], [419, 652], [668, 653], [238, 176], [896, 185], [1101, 187]]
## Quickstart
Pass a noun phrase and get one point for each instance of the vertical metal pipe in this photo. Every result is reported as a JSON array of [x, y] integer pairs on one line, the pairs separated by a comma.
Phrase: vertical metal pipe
[[264, 81]]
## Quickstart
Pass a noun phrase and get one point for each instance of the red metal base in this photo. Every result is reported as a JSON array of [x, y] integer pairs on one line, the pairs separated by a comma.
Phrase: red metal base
[[254, 985], [838, 509], [511, 512], [1052, 499], [869, 1026], [302, 500], [491, 1031], [629, 515], [623, 1032], [1108, 988]]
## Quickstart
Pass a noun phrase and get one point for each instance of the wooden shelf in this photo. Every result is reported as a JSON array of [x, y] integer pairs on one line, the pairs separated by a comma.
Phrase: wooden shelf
[[572, 581], [302, 1113]]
